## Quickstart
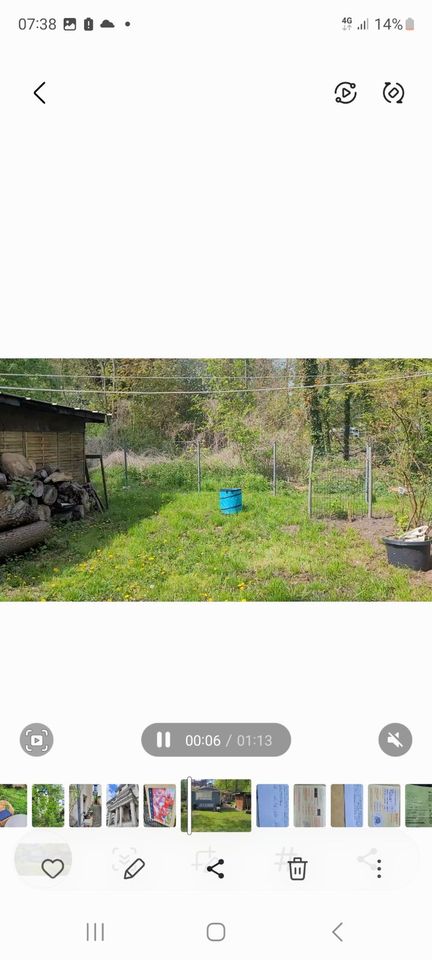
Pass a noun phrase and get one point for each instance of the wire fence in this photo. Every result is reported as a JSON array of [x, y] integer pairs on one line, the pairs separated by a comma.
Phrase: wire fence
[[196, 465], [339, 487], [329, 485]]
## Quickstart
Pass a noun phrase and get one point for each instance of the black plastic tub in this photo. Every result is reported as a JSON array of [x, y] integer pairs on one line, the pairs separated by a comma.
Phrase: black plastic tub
[[415, 554]]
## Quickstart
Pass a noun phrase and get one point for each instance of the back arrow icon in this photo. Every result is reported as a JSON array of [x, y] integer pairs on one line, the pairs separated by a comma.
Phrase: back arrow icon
[[336, 933], [36, 91]]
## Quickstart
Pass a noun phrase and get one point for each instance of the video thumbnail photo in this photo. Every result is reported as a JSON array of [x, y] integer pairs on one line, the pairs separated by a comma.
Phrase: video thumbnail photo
[[159, 805], [347, 805], [216, 806], [384, 805], [48, 805], [13, 805], [272, 805], [309, 805], [418, 805], [85, 805], [122, 805], [215, 480]]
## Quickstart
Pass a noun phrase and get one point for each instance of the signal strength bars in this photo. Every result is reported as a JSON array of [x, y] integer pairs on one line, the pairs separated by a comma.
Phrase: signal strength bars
[[364, 25]]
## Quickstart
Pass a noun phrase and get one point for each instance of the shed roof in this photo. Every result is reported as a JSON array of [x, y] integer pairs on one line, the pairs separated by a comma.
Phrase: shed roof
[[89, 416]]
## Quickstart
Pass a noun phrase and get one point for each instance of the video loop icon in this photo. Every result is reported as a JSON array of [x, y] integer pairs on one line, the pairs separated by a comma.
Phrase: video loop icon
[[346, 92]]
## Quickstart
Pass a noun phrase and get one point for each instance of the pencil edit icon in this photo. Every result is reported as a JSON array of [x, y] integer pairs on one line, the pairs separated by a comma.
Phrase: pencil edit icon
[[133, 869]]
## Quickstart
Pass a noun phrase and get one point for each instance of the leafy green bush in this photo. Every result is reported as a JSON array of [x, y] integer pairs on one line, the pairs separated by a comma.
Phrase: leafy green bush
[[232, 477], [182, 475], [176, 475]]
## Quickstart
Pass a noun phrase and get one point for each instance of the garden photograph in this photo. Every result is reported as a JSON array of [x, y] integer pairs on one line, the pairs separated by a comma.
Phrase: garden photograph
[[213, 480], [216, 806], [13, 805]]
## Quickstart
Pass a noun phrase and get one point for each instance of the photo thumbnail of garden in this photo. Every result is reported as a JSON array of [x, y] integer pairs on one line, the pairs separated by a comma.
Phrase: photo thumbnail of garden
[[216, 806], [215, 479], [13, 805]]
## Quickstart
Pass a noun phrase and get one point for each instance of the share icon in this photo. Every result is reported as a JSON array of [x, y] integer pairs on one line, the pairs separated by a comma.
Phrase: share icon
[[212, 869]]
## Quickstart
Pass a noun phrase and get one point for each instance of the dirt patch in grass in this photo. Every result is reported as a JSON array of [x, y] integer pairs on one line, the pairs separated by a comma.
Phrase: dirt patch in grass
[[422, 577], [291, 529], [372, 530], [292, 577]]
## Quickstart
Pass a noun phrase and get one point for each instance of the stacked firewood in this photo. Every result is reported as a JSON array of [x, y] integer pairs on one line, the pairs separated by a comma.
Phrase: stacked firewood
[[29, 496]]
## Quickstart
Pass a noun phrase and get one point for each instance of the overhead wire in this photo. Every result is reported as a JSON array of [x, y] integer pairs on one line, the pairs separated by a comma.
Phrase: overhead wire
[[287, 387]]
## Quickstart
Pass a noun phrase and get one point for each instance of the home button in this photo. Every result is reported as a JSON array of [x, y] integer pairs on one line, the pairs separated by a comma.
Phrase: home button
[[216, 931]]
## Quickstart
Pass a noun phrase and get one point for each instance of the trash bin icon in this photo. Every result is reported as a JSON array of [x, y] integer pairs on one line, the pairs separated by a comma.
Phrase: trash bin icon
[[297, 868]]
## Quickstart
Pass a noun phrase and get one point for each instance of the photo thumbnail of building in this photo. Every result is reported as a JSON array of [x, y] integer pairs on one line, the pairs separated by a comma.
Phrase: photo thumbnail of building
[[122, 805], [85, 808]]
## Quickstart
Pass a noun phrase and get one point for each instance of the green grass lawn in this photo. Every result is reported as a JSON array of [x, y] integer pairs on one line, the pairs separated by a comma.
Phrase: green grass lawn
[[227, 821], [158, 544], [16, 796]]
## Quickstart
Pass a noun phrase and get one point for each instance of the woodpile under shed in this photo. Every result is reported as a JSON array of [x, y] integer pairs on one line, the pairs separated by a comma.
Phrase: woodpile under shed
[[31, 498]]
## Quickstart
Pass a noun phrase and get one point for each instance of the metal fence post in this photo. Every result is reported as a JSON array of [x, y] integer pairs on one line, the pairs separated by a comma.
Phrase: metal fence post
[[274, 468], [370, 482], [125, 466], [199, 466], [311, 463], [366, 475]]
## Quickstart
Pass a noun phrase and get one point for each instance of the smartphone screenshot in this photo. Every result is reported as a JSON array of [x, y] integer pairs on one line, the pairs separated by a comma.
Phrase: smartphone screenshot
[[215, 479]]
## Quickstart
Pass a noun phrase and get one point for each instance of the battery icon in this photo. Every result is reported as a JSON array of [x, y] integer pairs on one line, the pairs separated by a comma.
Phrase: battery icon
[[88, 23], [409, 24]]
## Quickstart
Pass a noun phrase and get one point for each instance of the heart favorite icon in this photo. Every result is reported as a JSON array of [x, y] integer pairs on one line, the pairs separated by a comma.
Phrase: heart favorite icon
[[52, 868]]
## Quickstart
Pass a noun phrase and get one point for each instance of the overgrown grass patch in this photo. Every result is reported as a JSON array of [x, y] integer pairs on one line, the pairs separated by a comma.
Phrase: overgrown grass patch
[[226, 821], [156, 543]]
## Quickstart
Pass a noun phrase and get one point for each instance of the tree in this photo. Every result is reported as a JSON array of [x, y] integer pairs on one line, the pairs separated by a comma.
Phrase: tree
[[352, 366], [228, 406], [233, 786], [24, 377], [400, 421], [47, 805], [312, 403], [412, 445]]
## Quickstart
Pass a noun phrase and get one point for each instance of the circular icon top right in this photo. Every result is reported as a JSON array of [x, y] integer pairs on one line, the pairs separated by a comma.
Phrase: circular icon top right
[[393, 92]]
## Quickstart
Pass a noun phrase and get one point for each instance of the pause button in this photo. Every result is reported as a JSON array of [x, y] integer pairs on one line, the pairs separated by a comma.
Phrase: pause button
[[163, 739]]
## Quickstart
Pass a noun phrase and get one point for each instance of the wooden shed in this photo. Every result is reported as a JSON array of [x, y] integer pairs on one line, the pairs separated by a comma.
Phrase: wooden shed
[[47, 433], [243, 801]]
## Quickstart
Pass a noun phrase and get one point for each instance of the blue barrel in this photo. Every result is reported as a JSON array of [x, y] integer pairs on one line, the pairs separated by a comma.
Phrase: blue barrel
[[230, 500]]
